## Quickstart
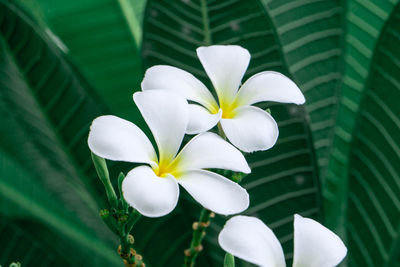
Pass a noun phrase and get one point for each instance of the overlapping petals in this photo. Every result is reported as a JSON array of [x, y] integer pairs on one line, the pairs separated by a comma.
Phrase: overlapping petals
[[208, 150], [153, 189], [225, 66], [166, 120], [250, 239], [244, 129], [201, 120], [182, 82]]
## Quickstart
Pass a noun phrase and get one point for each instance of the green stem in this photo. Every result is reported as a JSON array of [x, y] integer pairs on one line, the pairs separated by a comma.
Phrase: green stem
[[128, 254], [102, 171], [120, 220], [109, 220], [125, 248], [126, 251], [133, 218], [198, 235], [221, 131], [123, 204]]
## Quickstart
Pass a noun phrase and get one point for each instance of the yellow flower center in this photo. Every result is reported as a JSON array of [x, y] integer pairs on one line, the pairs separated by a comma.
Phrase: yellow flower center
[[163, 168], [228, 109]]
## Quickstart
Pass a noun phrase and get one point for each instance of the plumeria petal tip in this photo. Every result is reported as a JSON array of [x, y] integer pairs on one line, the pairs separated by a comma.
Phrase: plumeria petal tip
[[315, 245], [114, 138]]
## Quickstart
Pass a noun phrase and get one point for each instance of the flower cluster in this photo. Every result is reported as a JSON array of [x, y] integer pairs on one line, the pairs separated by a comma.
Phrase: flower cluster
[[153, 187]]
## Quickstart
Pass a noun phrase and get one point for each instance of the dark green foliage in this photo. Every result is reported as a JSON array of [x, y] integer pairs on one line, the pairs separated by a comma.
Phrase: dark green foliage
[[374, 169], [343, 54], [43, 144]]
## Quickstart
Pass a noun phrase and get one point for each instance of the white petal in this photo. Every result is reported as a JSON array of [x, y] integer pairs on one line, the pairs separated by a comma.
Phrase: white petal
[[151, 195], [269, 86], [179, 81], [201, 120], [113, 138], [315, 245], [209, 150], [166, 113], [225, 65], [215, 192], [250, 239], [252, 129]]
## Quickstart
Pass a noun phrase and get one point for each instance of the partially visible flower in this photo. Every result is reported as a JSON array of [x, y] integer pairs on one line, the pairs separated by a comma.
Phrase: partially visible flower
[[153, 189], [247, 127], [250, 239]]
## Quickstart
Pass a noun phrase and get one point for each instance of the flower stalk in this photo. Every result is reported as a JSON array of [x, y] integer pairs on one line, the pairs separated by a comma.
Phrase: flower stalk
[[120, 219], [128, 254], [108, 220], [199, 231], [125, 250]]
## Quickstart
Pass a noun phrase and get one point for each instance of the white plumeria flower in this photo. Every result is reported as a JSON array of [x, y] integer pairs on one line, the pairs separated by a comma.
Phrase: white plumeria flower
[[250, 239], [153, 189], [247, 127]]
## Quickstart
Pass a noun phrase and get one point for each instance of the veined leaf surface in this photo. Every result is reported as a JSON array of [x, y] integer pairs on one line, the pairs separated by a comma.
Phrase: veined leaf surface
[[363, 23], [373, 200], [103, 38]]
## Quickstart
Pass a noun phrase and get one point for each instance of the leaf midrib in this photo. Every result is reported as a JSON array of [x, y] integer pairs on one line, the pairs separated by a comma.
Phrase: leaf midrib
[[206, 23], [132, 21]]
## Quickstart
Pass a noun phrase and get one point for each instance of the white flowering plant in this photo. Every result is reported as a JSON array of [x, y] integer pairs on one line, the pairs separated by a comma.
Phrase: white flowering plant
[[152, 188], [218, 127]]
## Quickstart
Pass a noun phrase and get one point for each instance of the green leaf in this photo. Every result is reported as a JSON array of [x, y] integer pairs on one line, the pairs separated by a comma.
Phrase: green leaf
[[373, 194], [309, 34], [36, 250], [229, 260], [103, 38], [283, 179], [43, 97], [46, 110], [22, 196], [364, 21]]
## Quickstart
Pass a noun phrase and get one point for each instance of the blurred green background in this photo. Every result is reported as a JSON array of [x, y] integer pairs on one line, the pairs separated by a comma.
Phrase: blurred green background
[[63, 63]]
